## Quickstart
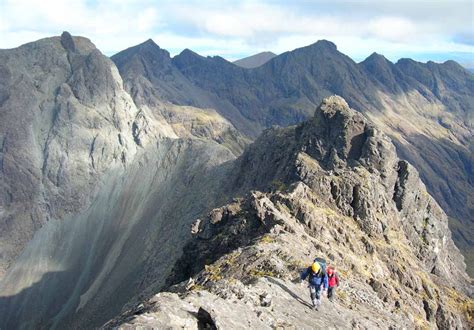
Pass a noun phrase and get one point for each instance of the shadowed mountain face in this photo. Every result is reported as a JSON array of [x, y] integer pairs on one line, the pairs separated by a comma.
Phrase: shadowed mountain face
[[427, 108], [255, 61]]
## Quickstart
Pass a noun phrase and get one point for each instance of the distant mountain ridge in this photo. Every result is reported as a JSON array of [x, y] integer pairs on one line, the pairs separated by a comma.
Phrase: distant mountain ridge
[[255, 61], [427, 108]]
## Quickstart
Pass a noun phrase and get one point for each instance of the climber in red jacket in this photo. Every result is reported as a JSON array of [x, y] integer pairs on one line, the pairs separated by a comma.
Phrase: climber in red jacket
[[333, 282]]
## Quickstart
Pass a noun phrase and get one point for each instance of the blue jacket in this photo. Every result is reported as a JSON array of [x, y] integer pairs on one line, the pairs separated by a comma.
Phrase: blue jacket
[[315, 279]]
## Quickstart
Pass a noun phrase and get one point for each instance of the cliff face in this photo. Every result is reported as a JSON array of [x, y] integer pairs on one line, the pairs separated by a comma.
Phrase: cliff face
[[65, 120], [330, 187]]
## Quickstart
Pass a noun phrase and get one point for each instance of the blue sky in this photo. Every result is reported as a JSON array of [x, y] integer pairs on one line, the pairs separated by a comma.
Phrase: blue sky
[[435, 30]]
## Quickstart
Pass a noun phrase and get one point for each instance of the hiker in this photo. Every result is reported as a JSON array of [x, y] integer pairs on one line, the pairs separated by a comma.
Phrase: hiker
[[317, 278], [333, 282]]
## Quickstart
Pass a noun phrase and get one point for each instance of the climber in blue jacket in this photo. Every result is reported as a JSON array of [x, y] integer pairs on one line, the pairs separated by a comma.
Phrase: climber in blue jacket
[[317, 278]]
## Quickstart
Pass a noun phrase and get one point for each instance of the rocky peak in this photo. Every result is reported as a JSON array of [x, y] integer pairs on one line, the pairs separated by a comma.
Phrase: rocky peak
[[323, 45], [340, 153], [376, 58], [335, 131], [382, 71], [416, 70], [321, 53], [366, 211], [67, 42], [336, 136], [210, 66], [149, 43], [67, 122], [187, 57], [454, 65], [144, 58], [150, 49], [376, 64]]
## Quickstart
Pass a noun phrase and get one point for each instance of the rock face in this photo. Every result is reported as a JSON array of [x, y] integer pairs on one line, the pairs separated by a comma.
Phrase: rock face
[[330, 187], [65, 119], [255, 61], [427, 109]]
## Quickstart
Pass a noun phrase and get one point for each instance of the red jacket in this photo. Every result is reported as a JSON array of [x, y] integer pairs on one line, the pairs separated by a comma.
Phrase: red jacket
[[333, 280]]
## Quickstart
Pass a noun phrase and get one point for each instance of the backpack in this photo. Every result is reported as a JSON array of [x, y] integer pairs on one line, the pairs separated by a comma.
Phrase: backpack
[[322, 263]]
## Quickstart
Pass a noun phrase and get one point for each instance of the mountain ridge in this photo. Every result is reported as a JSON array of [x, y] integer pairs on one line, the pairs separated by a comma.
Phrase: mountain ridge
[[106, 166], [246, 254], [426, 107]]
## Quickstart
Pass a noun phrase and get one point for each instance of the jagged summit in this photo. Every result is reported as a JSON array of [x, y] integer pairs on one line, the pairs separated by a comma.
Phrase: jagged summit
[[323, 45], [190, 59], [150, 42], [322, 50], [147, 44], [148, 51], [383, 72], [150, 46], [188, 53], [376, 58]]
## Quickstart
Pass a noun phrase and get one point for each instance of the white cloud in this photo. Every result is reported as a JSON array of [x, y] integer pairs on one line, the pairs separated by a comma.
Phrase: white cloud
[[393, 29], [232, 29], [107, 23]]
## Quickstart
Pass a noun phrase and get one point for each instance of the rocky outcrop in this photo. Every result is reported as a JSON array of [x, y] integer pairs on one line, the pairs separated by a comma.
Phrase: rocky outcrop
[[342, 194]]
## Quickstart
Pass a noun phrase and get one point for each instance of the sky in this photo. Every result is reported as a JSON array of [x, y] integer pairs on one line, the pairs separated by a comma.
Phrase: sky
[[424, 30]]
